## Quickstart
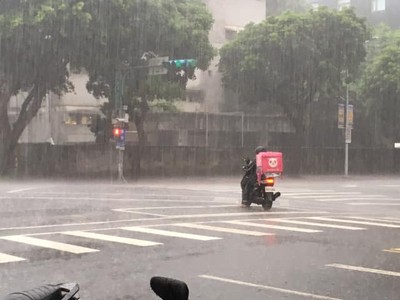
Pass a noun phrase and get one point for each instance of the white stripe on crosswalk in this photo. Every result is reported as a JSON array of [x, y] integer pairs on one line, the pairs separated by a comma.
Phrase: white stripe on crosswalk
[[5, 258], [318, 224], [351, 199], [353, 222], [362, 269], [374, 219], [271, 226], [48, 244], [111, 238], [222, 229], [171, 233]]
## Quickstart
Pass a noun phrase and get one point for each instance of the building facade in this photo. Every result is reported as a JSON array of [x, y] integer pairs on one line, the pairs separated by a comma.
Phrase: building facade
[[376, 11], [206, 93]]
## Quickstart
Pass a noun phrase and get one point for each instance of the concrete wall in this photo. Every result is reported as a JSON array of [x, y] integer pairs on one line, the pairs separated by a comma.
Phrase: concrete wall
[[92, 161]]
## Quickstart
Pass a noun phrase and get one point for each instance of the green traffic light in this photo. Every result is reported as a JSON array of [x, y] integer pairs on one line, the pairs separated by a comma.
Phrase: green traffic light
[[179, 63]]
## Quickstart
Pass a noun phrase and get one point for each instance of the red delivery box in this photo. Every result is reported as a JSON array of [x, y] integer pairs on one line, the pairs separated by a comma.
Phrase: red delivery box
[[269, 162]]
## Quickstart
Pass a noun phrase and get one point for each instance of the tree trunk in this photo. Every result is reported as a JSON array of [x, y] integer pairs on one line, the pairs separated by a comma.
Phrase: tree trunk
[[9, 136]]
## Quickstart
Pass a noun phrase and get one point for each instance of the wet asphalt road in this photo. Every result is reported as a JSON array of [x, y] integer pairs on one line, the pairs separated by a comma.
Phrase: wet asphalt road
[[326, 238]]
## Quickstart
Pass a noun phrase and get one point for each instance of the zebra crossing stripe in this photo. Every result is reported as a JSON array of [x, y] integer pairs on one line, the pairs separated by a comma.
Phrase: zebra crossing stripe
[[5, 258], [171, 233], [111, 238], [48, 244], [318, 224], [353, 222], [272, 226], [222, 229]]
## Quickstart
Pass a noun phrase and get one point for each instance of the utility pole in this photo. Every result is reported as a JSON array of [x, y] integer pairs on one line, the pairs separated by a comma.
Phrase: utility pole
[[347, 136]]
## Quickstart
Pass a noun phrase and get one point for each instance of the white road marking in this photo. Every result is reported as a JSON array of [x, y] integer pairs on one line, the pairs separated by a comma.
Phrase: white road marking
[[138, 212], [119, 199], [222, 229], [111, 238], [171, 233], [5, 258], [362, 269], [317, 196], [373, 219], [373, 204], [164, 218], [48, 244], [21, 190], [318, 224], [378, 198], [267, 287], [271, 226], [353, 222], [173, 207]]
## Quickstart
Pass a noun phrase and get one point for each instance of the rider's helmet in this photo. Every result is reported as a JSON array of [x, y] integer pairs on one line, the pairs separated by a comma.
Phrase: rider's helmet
[[260, 149]]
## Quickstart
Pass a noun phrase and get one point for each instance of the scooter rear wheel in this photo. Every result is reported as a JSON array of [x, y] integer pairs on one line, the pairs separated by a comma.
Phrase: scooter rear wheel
[[267, 205]]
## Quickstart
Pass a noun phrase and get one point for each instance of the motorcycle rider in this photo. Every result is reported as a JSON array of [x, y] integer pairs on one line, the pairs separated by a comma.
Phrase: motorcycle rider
[[250, 177]]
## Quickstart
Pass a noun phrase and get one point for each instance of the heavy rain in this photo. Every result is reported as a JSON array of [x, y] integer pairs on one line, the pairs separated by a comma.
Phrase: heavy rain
[[226, 149]]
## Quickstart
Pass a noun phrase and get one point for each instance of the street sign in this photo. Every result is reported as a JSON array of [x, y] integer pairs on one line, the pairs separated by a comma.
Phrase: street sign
[[350, 115], [156, 66], [341, 114], [348, 135]]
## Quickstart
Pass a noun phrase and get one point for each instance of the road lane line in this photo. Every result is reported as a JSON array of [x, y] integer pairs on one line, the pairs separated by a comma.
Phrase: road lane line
[[48, 244], [353, 222], [174, 207], [222, 229], [318, 224], [5, 258], [111, 238], [362, 269], [138, 212], [333, 195], [171, 233], [21, 190], [272, 226], [373, 204], [267, 287], [163, 218]]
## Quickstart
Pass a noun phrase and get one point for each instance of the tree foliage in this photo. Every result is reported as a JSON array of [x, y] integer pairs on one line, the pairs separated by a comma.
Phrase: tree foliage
[[38, 41], [121, 31], [380, 84], [294, 60]]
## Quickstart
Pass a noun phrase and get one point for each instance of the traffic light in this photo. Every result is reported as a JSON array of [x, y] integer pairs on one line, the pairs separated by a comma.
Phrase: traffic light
[[181, 69], [117, 133], [181, 63]]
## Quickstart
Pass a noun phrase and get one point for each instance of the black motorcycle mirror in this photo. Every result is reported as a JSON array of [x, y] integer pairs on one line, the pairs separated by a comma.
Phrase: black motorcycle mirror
[[169, 289]]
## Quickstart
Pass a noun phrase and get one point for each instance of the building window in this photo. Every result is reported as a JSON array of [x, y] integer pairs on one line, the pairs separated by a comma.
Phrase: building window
[[378, 5], [231, 32], [343, 3]]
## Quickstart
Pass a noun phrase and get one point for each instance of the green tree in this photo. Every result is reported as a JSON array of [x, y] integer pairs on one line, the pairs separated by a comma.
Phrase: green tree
[[294, 60], [38, 39], [121, 31], [380, 85]]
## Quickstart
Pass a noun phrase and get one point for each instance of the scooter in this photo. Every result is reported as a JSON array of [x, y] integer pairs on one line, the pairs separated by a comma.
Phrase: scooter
[[263, 192], [165, 288]]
